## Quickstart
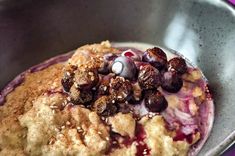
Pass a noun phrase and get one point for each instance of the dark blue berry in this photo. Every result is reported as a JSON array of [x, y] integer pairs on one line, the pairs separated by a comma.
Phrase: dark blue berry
[[80, 96], [156, 57], [171, 82], [125, 67], [155, 101], [120, 88], [136, 96], [110, 56], [104, 106], [103, 88], [85, 79], [177, 64], [67, 81], [104, 68], [149, 77]]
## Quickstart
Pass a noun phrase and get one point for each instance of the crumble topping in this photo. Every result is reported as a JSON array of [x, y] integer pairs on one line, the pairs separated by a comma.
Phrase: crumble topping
[[160, 141], [73, 130], [123, 124], [127, 151]]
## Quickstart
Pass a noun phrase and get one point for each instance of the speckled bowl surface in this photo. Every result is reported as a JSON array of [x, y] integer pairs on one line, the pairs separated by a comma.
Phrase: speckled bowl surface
[[202, 30]]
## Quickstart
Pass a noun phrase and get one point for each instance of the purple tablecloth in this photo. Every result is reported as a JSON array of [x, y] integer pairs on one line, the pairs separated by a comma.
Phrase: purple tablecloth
[[230, 151], [232, 1]]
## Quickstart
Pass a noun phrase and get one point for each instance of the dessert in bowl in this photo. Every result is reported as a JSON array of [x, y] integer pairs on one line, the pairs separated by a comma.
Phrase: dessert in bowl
[[107, 99]]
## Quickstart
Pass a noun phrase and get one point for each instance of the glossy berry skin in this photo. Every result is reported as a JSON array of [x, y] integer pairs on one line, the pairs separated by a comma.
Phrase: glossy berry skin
[[104, 106], [155, 101], [156, 57], [149, 77], [177, 64], [171, 82], [125, 67]]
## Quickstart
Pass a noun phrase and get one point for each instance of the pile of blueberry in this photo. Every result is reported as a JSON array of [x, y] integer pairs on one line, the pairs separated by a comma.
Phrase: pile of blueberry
[[124, 80]]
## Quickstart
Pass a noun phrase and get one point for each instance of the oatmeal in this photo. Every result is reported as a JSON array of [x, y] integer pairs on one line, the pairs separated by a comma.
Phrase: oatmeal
[[160, 141], [106, 101]]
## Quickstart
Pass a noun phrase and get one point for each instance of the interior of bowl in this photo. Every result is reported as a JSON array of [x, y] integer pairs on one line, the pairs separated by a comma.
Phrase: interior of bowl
[[202, 30]]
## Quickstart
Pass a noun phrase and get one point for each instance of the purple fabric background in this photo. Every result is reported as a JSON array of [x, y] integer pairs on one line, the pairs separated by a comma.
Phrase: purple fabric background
[[230, 151], [232, 1]]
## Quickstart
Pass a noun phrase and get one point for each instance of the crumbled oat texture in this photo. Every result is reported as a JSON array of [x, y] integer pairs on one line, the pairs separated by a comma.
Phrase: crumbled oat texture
[[159, 140], [90, 55], [41, 121], [48, 133], [12, 135], [123, 124], [126, 151]]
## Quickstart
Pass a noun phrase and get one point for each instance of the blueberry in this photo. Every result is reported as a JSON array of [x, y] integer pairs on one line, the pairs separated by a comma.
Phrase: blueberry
[[137, 94], [177, 64], [125, 67], [156, 57], [67, 81], [110, 56], [85, 79], [138, 64], [120, 88], [104, 106], [149, 77], [131, 54], [155, 101], [124, 108], [171, 82], [80, 96], [104, 68], [103, 88]]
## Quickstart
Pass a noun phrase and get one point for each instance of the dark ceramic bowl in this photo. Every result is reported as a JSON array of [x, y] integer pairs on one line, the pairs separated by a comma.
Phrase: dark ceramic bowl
[[202, 30]]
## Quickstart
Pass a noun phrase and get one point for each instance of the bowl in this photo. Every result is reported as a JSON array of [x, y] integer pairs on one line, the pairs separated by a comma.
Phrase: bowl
[[202, 30]]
